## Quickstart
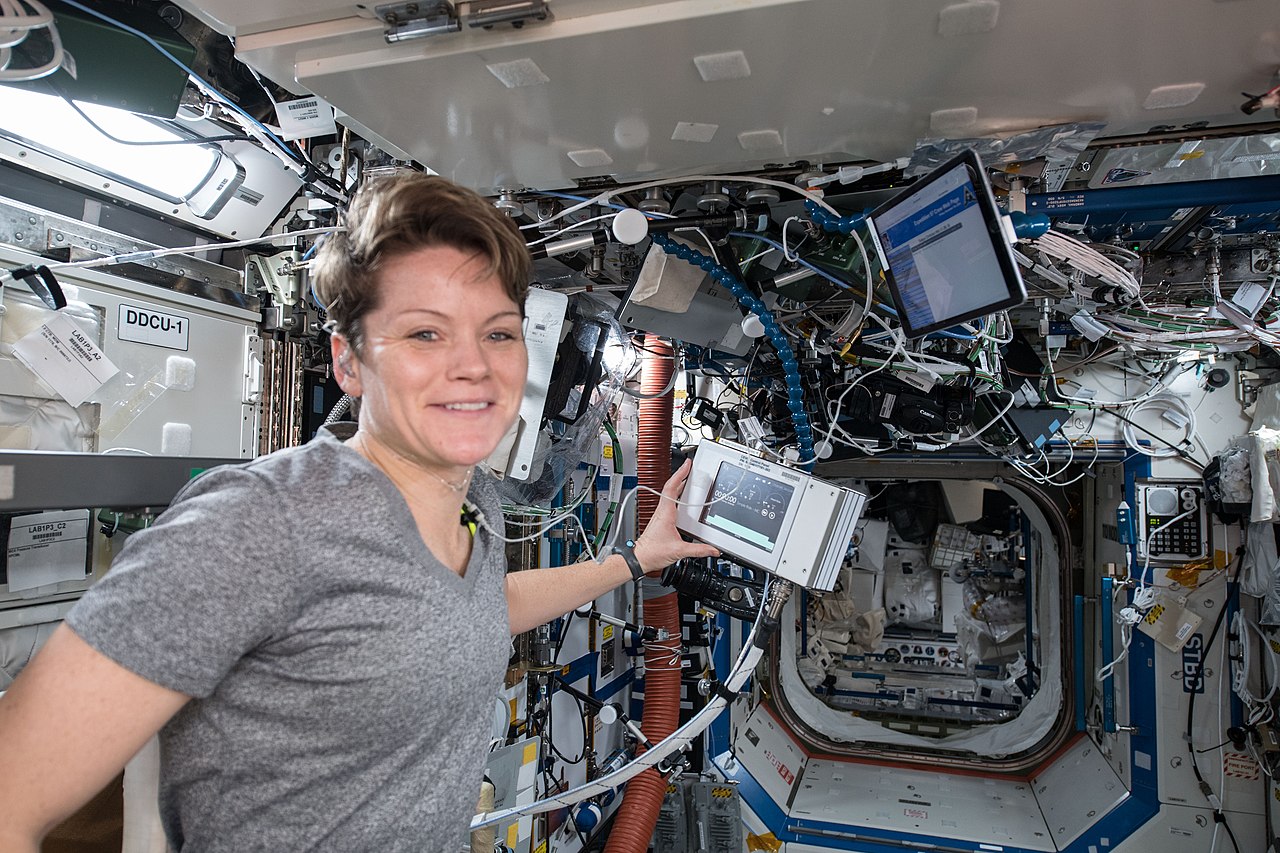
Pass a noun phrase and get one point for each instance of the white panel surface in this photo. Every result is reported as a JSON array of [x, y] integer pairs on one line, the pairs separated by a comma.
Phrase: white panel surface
[[1234, 776], [770, 755], [1177, 829], [134, 414], [1076, 790], [829, 79], [971, 808], [1218, 418]]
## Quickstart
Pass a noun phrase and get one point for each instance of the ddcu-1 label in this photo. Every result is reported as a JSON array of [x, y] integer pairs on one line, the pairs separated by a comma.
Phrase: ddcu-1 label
[[145, 326]]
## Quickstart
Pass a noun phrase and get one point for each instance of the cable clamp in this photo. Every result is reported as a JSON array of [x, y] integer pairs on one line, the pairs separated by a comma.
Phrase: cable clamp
[[673, 767], [716, 688]]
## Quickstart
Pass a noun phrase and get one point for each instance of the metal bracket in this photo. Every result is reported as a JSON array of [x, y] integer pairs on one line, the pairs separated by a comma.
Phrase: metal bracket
[[406, 21], [278, 274], [483, 14]]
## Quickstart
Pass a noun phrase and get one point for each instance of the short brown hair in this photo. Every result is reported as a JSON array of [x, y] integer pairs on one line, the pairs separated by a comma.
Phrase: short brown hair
[[402, 213]]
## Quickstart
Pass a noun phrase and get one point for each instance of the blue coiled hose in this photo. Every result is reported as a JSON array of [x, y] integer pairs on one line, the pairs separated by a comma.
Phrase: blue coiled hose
[[787, 356]]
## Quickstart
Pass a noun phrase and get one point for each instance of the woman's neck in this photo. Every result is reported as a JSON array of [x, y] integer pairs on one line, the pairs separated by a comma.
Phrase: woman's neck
[[435, 497]]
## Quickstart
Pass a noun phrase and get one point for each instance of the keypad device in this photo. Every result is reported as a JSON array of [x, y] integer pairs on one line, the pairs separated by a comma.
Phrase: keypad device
[[1183, 540]]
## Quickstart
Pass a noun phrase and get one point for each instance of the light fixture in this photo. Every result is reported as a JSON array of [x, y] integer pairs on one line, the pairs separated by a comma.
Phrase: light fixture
[[202, 176]]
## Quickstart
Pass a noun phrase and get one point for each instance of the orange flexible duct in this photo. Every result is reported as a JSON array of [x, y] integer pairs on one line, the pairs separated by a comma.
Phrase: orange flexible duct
[[638, 814]]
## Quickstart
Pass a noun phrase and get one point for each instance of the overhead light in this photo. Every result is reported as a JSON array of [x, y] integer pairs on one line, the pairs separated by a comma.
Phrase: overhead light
[[203, 176]]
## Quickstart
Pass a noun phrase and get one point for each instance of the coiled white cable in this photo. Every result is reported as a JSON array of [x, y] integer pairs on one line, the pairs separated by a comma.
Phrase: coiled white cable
[[18, 19], [1172, 408]]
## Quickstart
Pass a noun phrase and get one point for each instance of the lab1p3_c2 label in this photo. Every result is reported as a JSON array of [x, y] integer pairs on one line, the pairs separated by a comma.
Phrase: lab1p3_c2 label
[[147, 326]]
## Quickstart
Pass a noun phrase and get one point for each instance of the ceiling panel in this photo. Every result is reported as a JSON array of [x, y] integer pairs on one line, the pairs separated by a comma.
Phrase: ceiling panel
[[603, 87]]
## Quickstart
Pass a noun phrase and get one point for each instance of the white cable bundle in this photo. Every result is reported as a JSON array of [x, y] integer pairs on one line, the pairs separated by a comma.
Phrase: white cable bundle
[[18, 19], [1087, 260], [1174, 409], [675, 742], [1259, 708]]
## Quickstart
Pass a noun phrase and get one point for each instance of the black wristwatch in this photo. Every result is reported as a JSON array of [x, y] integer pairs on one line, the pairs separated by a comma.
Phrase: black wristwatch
[[627, 551]]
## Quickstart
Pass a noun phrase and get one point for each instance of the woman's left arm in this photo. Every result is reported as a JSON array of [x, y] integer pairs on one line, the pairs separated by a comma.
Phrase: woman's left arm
[[538, 596]]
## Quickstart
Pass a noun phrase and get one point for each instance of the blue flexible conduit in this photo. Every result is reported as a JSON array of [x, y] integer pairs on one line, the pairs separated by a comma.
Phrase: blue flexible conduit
[[790, 369], [829, 222]]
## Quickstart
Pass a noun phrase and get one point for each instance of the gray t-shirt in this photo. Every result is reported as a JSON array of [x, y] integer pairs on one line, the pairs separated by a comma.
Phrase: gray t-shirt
[[343, 678]]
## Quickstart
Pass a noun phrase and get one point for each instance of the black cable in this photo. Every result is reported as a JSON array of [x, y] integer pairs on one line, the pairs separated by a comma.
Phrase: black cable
[[555, 659], [582, 713], [1212, 748], [1183, 453], [1218, 815], [564, 632], [194, 141]]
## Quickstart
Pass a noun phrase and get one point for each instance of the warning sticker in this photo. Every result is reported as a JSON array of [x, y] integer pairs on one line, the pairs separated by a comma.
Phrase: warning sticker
[[1237, 765]]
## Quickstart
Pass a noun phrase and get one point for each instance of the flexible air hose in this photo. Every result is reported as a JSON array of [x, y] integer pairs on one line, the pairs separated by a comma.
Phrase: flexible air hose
[[786, 356], [653, 463], [638, 815], [831, 223], [339, 409]]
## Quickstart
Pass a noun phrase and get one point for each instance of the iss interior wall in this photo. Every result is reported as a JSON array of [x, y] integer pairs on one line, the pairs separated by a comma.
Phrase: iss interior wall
[[222, 342]]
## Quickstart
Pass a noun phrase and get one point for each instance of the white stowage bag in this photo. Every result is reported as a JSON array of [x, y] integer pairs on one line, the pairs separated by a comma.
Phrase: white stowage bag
[[911, 587], [33, 423], [32, 416], [1260, 570], [1265, 463]]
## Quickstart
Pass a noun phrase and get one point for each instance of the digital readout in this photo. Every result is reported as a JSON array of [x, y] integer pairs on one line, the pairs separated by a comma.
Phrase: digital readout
[[747, 505]]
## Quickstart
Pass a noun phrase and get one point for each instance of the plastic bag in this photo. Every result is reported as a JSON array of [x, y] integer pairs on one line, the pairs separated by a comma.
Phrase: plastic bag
[[911, 588], [1056, 143]]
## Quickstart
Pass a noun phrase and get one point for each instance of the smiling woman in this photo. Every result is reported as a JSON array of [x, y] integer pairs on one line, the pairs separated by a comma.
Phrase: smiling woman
[[327, 686], [442, 370], [440, 376]]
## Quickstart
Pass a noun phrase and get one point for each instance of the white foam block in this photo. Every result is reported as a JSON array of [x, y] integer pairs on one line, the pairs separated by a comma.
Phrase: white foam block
[[179, 373], [1178, 95], [958, 118], [730, 65], [693, 131], [760, 140], [976, 16], [590, 157], [518, 73], [175, 439]]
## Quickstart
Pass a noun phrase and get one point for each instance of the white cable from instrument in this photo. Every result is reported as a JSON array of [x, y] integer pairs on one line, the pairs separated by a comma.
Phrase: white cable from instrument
[[1170, 403], [1259, 708], [1088, 261], [676, 741]]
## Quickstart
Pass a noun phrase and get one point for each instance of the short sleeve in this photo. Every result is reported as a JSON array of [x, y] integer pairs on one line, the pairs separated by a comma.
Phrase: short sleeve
[[190, 596]]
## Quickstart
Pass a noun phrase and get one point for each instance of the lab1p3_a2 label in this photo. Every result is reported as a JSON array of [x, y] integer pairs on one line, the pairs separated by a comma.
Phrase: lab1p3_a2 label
[[155, 328]]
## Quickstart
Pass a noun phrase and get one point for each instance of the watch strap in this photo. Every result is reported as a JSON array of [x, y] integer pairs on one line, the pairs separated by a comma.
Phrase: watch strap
[[627, 551]]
